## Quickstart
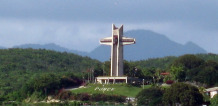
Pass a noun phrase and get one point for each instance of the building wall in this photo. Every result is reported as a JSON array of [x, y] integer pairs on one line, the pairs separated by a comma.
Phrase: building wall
[[212, 93]]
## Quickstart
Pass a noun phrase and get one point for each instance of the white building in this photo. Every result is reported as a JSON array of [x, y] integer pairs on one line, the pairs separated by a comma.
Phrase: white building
[[212, 91]]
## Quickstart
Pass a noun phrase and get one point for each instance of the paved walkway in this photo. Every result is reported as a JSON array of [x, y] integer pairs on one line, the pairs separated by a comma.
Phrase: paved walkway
[[73, 88]]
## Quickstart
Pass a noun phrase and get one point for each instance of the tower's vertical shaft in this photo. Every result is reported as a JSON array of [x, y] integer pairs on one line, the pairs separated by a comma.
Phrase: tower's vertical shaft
[[114, 51], [120, 53]]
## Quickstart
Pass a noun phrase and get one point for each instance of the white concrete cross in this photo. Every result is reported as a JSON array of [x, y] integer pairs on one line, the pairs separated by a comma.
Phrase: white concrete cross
[[116, 42]]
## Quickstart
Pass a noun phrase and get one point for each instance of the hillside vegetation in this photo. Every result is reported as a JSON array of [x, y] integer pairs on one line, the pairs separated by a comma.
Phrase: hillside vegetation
[[201, 68], [165, 62], [26, 73], [22, 68]]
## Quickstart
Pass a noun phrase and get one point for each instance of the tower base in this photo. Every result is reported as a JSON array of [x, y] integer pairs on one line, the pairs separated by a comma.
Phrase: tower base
[[114, 80]]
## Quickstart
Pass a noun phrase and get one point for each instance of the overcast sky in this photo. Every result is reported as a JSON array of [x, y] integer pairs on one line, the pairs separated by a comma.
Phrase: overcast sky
[[79, 24]]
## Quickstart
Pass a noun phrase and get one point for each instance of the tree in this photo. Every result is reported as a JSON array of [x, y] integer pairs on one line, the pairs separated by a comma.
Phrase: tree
[[46, 83], [177, 73], [151, 97], [148, 74], [188, 61], [106, 68], [158, 72], [184, 94], [131, 70], [207, 73]]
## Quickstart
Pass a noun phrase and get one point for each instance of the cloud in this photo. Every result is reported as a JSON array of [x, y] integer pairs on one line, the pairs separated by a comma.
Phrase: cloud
[[72, 35], [111, 10], [79, 25]]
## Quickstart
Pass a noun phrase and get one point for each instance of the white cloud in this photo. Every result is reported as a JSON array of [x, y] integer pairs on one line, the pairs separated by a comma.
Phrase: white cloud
[[79, 25], [72, 35]]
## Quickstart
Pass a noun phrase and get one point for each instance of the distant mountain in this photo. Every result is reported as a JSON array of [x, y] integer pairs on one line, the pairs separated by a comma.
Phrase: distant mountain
[[148, 45], [50, 46], [2, 47]]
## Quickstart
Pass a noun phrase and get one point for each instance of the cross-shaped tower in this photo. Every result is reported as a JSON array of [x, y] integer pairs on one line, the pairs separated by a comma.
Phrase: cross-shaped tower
[[116, 42]]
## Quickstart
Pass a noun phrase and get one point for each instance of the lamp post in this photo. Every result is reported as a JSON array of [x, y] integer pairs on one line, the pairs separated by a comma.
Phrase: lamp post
[[83, 80], [143, 83], [135, 71]]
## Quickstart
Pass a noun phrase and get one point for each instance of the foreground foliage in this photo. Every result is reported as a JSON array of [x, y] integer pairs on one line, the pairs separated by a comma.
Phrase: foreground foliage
[[184, 94], [150, 97], [67, 95]]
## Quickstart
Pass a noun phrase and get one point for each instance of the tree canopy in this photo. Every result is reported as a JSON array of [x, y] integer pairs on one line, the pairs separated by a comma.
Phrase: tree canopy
[[150, 97], [184, 94]]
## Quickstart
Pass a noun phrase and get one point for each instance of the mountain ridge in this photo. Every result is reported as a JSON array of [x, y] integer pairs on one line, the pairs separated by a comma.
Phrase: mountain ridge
[[148, 45], [50, 46]]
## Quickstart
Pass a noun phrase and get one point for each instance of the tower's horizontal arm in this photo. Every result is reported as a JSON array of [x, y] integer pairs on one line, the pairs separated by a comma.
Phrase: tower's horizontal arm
[[127, 41], [106, 41]]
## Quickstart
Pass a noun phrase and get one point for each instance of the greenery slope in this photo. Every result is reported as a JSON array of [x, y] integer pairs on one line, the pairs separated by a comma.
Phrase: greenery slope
[[165, 62], [19, 66], [44, 71]]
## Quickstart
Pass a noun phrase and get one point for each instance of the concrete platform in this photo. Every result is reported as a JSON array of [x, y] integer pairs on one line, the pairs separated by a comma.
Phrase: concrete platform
[[113, 80]]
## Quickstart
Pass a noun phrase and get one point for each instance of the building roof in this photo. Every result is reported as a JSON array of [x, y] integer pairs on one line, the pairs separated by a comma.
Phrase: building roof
[[166, 73], [212, 89]]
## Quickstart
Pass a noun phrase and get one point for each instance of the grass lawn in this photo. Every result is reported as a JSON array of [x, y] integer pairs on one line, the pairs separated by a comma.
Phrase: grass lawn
[[118, 89]]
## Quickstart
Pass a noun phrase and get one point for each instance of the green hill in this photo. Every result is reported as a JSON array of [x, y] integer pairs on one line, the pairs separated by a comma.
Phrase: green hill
[[18, 66], [48, 71]]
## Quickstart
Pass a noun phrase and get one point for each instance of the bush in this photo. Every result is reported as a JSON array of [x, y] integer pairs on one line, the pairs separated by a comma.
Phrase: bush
[[118, 98], [184, 94], [169, 82], [65, 95], [98, 97], [83, 97], [110, 98], [136, 84], [151, 97], [37, 96]]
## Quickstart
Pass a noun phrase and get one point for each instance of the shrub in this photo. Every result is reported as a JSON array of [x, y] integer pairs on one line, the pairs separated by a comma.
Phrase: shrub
[[65, 95], [119, 98], [83, 97], [151, 97], [136, 84], [98, 97], [169, 82], [183, 94], [110, 98]]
